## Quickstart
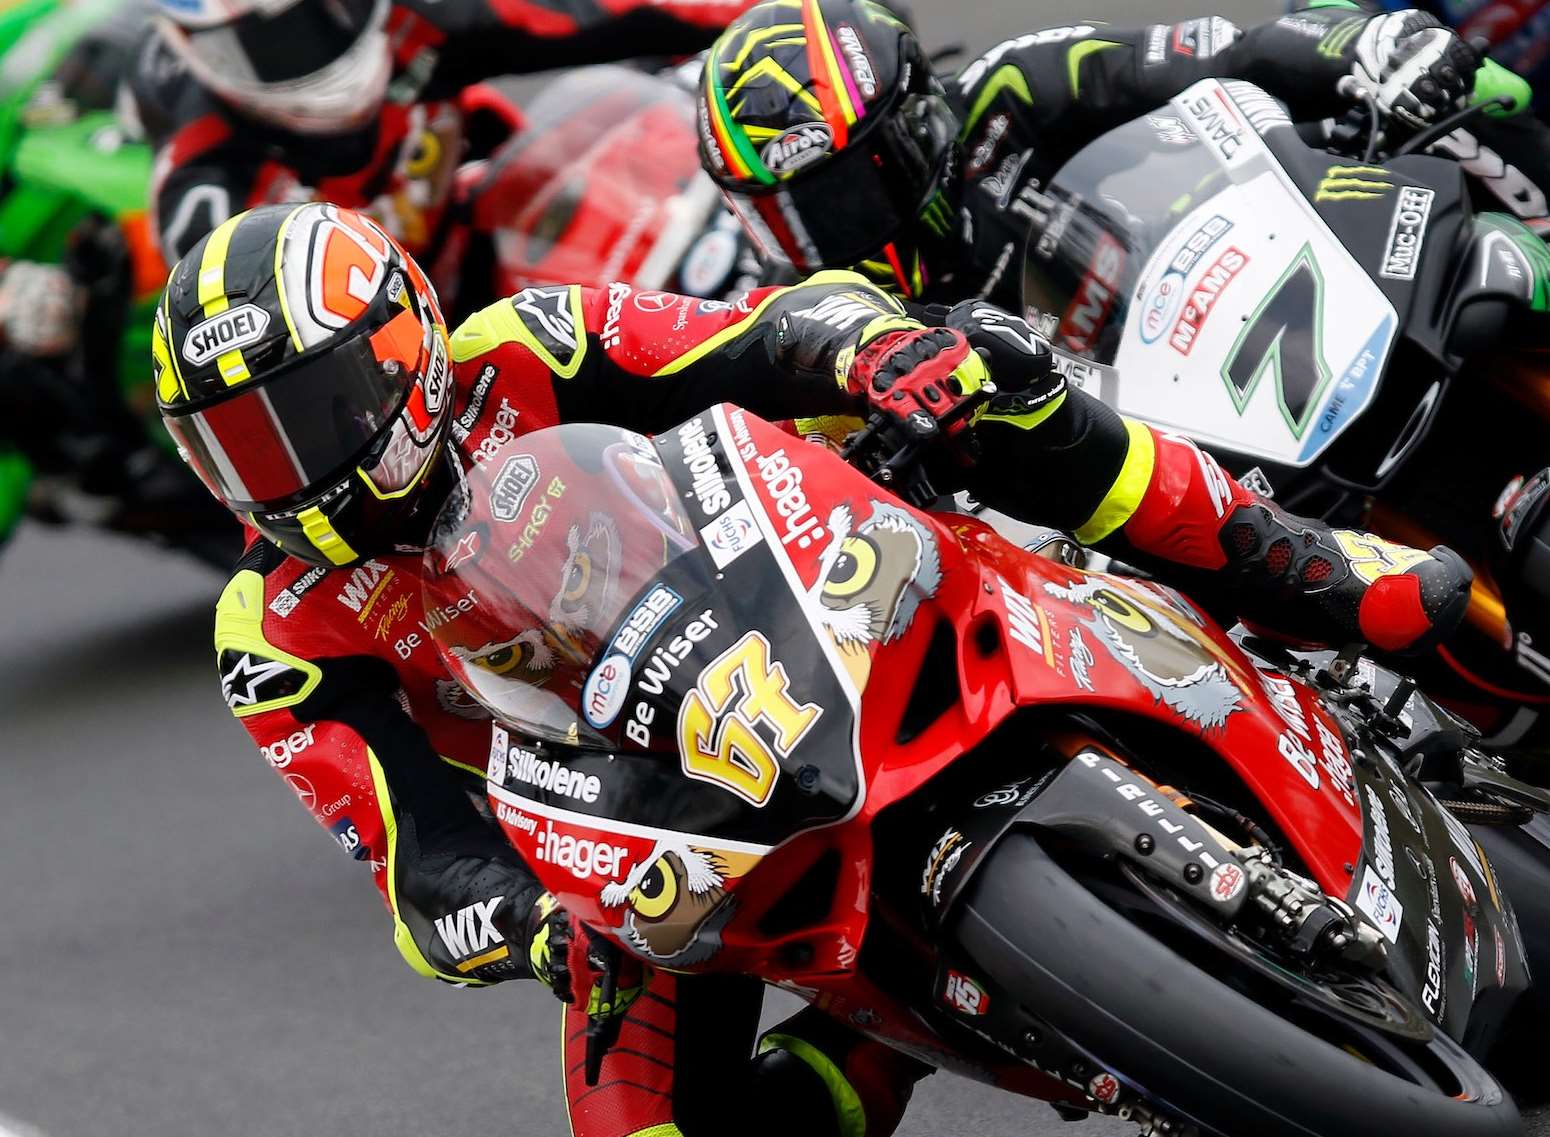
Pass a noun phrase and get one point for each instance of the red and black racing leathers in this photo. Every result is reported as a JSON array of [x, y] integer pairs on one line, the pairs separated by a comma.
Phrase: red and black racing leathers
[[334, 675], [213, 161], [1029, 104]]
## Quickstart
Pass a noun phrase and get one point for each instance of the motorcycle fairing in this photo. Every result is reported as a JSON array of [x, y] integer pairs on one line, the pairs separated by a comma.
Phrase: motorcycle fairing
[[960, 629], [602, 185], [1426, 885], [1214, 350]]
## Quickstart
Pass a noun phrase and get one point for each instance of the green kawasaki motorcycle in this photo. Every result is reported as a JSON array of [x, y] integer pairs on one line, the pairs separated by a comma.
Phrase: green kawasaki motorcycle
[[81, 442]]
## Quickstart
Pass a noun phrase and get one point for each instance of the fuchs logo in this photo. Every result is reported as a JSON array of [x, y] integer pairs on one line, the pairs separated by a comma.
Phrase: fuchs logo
[[232, 330], [511, 486], [798, 147]]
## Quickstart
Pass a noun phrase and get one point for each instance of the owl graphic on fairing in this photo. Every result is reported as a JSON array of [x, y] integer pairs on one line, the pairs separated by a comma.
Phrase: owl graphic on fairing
[[677, 900], [872, 579]]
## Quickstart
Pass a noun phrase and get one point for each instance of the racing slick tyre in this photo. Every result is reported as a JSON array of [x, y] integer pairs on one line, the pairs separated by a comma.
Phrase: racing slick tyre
[[1186, 1039]]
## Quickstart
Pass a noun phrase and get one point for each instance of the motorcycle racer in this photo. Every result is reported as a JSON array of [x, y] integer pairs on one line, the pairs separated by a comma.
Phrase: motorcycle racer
[[303, 365], [356, 102], [931, 188]]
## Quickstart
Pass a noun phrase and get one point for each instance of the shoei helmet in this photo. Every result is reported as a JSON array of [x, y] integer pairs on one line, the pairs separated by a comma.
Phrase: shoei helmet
[[313, 66], [828, 133], [301, 364]]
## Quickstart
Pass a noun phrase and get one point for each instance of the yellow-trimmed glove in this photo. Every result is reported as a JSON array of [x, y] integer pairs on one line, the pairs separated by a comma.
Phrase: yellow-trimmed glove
[[566, 956], [924, 379]]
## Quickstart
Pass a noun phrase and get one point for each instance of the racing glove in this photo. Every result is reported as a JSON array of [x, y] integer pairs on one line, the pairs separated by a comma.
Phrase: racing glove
[[922, 376], [40, 309], [566, 956], [922, 379], [1415, 68]]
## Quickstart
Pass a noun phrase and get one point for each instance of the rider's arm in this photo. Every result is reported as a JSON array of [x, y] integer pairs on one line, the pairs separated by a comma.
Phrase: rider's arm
[[201, 181], [480, 39], [333, 727], [647, 360], [1065, 86]]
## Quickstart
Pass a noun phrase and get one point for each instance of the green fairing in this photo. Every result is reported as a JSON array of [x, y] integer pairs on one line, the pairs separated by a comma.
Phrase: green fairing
[[1531, 246], [15, 477], [58, 172]]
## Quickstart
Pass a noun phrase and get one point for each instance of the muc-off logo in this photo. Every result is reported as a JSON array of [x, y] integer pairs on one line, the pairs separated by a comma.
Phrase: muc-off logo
[[232, 330], [1407, 233], [798, 147]]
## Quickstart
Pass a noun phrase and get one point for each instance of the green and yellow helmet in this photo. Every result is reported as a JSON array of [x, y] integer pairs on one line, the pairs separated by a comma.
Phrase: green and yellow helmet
[[302, 366], [825, 128]]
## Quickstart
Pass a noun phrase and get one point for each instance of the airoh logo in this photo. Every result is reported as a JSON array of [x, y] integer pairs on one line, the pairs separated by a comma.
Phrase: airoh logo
[[798, 147]]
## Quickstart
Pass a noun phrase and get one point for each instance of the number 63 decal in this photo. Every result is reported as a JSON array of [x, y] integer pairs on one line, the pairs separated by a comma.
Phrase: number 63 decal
[[717, 740]]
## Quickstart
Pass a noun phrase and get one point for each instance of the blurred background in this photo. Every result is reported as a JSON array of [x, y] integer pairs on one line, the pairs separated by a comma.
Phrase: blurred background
[[188, 952]]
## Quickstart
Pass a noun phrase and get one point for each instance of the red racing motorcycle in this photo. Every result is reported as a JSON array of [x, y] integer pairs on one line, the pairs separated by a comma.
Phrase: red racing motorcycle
[[1051, 829], [599, 181]]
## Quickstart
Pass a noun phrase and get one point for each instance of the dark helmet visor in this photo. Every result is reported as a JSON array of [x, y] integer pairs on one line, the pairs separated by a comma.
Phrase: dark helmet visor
[[307, 424], [846, 207], [294, 42]]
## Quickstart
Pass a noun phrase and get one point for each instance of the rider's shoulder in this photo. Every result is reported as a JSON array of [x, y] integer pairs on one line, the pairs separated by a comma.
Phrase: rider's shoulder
[[167, 97], [276, 605]]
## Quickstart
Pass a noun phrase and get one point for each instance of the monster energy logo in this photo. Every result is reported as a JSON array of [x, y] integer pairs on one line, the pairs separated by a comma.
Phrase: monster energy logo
[[937, 216], [1353, 183], [1339, 38]]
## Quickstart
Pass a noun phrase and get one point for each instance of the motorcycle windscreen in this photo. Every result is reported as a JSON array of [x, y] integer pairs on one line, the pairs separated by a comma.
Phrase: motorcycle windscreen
[[1180, 253], [611, 601]]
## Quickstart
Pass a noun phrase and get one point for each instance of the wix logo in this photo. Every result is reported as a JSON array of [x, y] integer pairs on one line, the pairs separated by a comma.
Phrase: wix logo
[[471, 929]]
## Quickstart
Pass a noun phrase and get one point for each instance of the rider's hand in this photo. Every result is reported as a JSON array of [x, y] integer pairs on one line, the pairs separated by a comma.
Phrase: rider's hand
[[920, 378], [1021, 361], [40, 309], [568, 958], [1415, 68]]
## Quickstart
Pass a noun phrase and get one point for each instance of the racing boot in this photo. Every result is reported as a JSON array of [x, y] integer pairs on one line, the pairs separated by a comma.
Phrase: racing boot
[[1295, 577], [857, 1083]]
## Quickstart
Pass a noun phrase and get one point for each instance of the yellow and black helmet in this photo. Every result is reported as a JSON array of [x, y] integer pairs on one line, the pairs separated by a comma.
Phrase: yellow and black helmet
[[829, 135], [301, 365]]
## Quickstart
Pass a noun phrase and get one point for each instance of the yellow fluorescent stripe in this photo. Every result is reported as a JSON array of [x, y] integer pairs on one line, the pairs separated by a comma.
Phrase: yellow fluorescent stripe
[[488, 957], [757, 36], [768, 68], [1008, 77], [836, 80], [212, 268], [321, 532], [1124, 496], [1032, 418], [1080, 52], [169, 384], [279, 279], [727, 335], [667, 1130], [233, 368], [475, 770]]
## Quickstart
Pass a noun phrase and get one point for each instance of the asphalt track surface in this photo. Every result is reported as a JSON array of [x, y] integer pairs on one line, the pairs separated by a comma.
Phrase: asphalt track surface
[[183, 951]]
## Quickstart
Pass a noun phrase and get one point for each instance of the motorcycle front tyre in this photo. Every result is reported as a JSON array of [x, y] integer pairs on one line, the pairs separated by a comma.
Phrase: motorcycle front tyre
[[1162, 1023]]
